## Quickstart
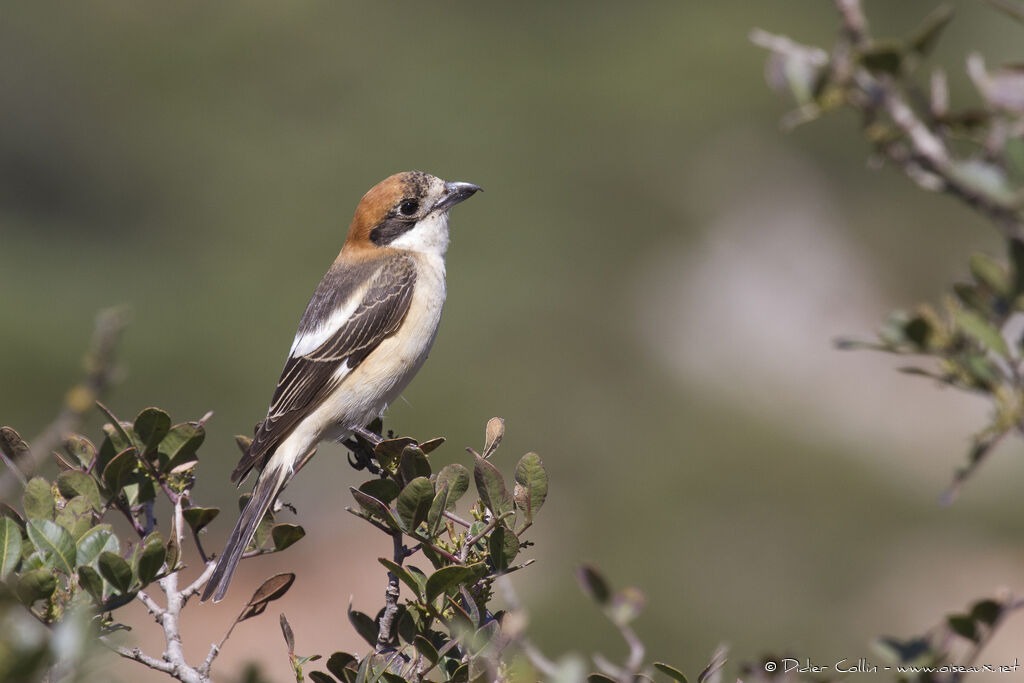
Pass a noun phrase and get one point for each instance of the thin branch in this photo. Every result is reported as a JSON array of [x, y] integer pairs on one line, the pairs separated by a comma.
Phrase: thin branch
[[137, 655], [391, 596], [154, 608], [464, 553], [544, 665], [455, 518], [855, 24], [1010, 606], [928, 161], [635, 661], [198, 584], [100, 370]]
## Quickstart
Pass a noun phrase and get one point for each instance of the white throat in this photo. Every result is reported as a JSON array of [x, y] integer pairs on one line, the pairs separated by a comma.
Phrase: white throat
[[429, 236]]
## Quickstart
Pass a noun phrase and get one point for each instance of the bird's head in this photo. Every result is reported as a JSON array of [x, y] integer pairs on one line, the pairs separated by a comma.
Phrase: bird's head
[[407, 211]]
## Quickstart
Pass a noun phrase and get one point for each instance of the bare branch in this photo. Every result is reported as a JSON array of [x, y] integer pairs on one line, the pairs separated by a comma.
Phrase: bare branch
[[137, 655], [391, 595], [155, 609], [198, 584], [100, 370]]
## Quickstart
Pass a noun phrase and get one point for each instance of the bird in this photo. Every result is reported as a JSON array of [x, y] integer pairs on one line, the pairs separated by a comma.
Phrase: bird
[[365, 333]]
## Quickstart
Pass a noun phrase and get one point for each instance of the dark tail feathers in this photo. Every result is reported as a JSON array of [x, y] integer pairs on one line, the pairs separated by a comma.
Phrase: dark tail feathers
[[267, 487]]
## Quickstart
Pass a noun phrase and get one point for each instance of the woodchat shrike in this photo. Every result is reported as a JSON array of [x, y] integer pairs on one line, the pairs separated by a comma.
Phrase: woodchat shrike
[[365, 333]]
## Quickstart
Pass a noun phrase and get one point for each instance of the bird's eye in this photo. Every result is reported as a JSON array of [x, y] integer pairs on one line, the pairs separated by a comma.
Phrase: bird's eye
[[409, 207]]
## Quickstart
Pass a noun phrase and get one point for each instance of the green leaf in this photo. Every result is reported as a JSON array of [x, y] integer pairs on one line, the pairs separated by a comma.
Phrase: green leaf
[[1016, 249], [76, 483], [384, 490], [987, 611], [116, 471], [971, 297], [964, 626], [10, 513], [403, 575], [243, 442], [150, 555], [670, 671], [375, 508], [285, 535], [76, 517], [151, 426], [491, 487], [426, 648], [55, 543], [93, 542], [447, 579], [413, 464], [197, 517], [414, 501], [503, 547], [178, 449], [435, 516], [431, 445], [883, 57], [973, 325], [531, 488], [115, 430], [116, 570], [363, 624], [173, 552], [456, 478], [927, 35], [338, 664], [81, 449], [38, 500], [91, 581], [593, 584], [599, 678], [118, 601], [989, 272], [37, 584], [420, 578], [389, 451], [10, 546], [912, 651]]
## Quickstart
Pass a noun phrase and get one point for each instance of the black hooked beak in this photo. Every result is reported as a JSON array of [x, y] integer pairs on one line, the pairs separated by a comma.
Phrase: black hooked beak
[[455, 193]]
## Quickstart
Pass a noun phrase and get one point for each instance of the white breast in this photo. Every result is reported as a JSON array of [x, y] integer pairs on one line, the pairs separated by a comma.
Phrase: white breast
[[376, 382]]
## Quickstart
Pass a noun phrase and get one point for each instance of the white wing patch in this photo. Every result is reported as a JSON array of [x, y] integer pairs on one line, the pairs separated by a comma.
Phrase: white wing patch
[[306, 342]]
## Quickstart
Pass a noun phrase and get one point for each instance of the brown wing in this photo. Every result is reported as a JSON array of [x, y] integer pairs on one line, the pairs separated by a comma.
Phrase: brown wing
[[309, 378]]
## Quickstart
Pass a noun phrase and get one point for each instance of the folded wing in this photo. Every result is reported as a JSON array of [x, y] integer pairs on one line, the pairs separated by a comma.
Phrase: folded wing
[[353, 311]]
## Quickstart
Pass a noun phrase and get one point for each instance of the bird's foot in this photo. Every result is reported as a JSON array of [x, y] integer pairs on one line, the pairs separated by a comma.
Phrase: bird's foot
[[361, 449]]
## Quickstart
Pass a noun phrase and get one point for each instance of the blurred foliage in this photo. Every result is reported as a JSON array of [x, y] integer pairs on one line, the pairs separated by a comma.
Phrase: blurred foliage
[[975, 337], [64, 560], [61, 558]]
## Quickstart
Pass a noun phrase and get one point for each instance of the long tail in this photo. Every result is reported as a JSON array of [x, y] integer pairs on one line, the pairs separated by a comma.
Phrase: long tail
[[270, 482]]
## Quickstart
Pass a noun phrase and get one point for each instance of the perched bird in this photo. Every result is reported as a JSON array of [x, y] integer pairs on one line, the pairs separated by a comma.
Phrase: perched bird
[[365, 333]]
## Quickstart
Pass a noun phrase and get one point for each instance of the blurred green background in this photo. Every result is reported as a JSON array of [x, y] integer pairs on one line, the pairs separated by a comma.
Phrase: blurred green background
[[647, 292]]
